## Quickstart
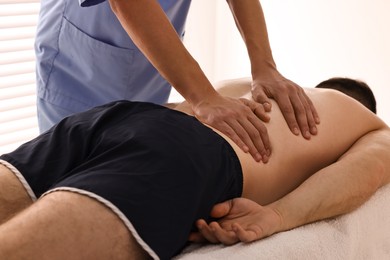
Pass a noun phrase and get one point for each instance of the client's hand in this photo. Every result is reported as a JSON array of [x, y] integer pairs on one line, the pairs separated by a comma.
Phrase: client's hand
[[240, 120], [238, 220]]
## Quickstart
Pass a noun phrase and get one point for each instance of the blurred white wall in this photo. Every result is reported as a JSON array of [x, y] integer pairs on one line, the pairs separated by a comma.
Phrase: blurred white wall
[[311, 41]]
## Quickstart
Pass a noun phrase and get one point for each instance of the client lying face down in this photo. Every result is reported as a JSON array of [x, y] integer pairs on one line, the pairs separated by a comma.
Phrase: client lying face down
[[129, 180]]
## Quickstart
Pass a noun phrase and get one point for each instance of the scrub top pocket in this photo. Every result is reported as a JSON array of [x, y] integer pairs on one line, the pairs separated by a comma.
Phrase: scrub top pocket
[[91, 71]]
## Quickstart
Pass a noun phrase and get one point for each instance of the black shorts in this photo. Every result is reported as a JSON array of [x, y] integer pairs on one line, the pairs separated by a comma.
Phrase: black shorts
[[158, 169]]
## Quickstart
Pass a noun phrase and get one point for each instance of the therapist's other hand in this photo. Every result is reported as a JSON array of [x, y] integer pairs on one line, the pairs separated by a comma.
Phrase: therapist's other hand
[[238, 220], [239, 119], [296, 107]]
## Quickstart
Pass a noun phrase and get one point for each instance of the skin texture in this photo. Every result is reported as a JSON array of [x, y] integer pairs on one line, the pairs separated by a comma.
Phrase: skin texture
[[267, 82], [147, 25], [290, 166], [61, 225], [13, 197], [347, 159]]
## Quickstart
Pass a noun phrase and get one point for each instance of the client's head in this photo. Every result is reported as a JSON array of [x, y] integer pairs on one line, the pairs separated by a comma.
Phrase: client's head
[[353, 88]]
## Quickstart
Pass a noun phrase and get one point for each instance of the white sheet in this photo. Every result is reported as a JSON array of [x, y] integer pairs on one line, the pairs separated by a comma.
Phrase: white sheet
[[361, 234]]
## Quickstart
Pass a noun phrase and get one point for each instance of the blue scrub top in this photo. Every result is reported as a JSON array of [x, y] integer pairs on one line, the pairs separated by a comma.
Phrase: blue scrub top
[[85, 58]]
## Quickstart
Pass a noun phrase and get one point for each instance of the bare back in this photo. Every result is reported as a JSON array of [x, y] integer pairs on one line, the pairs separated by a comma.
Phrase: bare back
[[294, 159]]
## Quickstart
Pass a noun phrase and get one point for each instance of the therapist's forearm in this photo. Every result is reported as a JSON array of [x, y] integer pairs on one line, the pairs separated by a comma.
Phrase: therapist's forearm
[[149, 28], [250, 21], [342, 186]]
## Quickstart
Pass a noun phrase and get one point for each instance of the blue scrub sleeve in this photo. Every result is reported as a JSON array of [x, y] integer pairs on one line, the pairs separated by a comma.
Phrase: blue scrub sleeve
[[86, 3]]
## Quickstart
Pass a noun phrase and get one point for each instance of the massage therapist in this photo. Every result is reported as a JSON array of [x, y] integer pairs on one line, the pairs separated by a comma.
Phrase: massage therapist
[[91, 52]]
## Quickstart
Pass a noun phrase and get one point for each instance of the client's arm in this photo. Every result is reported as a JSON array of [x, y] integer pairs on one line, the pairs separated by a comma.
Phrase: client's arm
[[334, 190], [342, 186]]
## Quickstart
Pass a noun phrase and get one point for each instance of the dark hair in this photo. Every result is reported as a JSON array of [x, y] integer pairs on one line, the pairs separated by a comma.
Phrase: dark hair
[[354, 88]]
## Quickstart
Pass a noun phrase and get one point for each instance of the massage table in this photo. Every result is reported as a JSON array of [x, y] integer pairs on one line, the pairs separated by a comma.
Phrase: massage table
[[361, 234]]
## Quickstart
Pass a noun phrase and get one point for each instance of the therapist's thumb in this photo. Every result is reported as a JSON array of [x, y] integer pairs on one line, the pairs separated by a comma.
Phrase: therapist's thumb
[[261, 97]]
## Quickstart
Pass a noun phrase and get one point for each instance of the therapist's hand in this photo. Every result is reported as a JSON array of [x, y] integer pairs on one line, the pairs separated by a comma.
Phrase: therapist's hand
[[239, 119], [238, 220], [296, 107]]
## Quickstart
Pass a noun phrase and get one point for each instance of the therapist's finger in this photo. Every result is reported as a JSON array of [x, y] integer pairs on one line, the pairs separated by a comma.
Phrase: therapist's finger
[[259, 96], [257, 108], [287, 109], [258, 135], [300, 115], [304, 115], [248, 134], [232, 134], [263, 146], [237, 121], [311, 113]]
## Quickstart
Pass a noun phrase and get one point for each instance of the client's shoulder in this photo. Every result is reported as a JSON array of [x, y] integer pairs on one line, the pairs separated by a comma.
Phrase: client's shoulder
[[334, 100], [337, 108]]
